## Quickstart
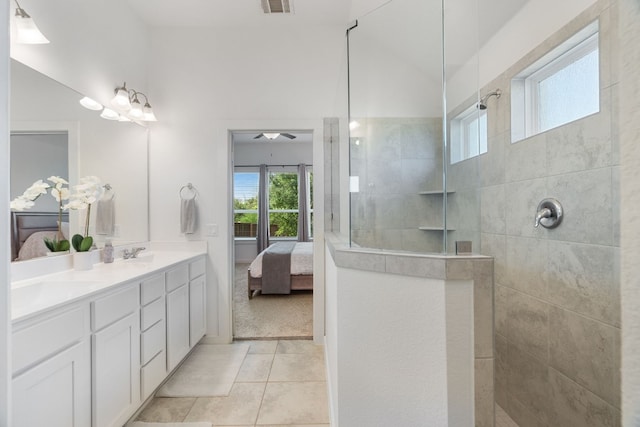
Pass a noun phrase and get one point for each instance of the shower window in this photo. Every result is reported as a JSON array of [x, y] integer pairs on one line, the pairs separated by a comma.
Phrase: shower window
[[562, 87], [468, 134]]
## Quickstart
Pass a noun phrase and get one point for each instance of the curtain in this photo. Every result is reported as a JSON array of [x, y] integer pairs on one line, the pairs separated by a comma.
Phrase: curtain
[[303, 208], [263, 209]]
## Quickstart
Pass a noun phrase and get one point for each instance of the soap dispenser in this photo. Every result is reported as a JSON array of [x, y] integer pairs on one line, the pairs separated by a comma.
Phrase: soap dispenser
[[107, 252]]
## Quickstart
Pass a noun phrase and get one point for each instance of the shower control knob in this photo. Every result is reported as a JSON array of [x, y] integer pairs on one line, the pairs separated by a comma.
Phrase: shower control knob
[[549, 213]]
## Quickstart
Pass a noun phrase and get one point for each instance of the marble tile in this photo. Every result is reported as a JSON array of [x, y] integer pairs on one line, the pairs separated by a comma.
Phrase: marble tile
[[492, 163], [483, 309], [465, 205], [582, 144], [501, 321], [298, 367], [416, 173], [422, 140], [586, 351], [416, 266], [586, 199], [459, 269], [522, 199], [494, 245], [581, 278], [463, 175], [420, 241], [255, 368], [484, 393], [357, 261], [500, 382], [299, 347], [526, 264], [294, 403], [493, 210], [239, 408], [575, 406], [262, 347], [526, 159], [528, 324], [522, 416], [528, 383], [615, 207], [167, 409]]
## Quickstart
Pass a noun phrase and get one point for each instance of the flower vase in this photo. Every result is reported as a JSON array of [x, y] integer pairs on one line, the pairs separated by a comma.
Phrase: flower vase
[[82, 260], [58, 253]]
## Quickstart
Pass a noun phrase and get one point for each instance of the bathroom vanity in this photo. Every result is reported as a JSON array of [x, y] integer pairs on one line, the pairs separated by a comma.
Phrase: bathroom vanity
[[90, 347]]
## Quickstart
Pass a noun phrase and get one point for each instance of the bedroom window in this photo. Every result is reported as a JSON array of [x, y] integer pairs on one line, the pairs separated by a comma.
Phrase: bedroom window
[[283, 203], [245, 204]]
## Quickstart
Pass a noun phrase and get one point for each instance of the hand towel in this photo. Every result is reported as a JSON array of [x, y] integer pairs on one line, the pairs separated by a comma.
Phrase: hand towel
[[106, 216], [188, 216]]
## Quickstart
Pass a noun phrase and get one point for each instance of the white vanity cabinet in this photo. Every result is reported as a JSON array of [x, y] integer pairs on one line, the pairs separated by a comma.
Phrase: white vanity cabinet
[[197, 301], [115, 357], [177, 285], [153, 336], [52, 371]]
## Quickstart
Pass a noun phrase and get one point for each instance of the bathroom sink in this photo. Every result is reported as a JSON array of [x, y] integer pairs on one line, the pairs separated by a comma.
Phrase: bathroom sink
[[143, 258]]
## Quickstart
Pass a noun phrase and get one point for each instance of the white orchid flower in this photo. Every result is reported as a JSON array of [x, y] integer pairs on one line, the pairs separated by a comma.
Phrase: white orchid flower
[[60, 193], [37, 188], [58, 181], [75, 204], [20, 204]]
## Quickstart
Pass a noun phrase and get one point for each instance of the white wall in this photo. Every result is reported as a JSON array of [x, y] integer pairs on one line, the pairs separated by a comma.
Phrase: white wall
[[527, 29], [244, 78], [5, 251], [94, 46]]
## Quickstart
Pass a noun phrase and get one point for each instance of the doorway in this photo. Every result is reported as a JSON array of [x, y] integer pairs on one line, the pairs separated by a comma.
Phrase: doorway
[[287, 157]]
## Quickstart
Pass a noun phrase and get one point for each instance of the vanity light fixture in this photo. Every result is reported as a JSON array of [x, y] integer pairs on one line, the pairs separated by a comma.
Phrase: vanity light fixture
[[109, 114], [271, 136], [126, 100], [90, 104], [26, 30]]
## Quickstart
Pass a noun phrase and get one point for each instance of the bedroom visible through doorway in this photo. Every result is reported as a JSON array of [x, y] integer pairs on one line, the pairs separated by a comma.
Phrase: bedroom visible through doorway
[[272, 229]]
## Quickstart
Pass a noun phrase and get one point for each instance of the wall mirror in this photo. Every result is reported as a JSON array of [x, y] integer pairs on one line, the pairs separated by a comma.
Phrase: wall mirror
[[48, 114]]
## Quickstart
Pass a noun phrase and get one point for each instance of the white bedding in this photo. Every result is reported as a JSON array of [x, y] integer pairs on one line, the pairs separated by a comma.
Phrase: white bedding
[[301, 260], [34, 246]]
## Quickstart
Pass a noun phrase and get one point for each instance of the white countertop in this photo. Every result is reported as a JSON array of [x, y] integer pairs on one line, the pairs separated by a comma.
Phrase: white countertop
[[33, 296]]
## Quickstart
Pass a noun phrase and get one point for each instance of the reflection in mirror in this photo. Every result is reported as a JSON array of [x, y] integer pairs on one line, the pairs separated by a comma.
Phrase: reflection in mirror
[[52, 134]]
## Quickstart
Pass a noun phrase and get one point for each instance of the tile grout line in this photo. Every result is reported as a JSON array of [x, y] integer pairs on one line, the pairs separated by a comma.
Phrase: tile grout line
[[264, 391]]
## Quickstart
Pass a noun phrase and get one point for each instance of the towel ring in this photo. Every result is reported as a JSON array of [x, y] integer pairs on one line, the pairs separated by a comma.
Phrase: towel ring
[[188, 187], [107, 189]]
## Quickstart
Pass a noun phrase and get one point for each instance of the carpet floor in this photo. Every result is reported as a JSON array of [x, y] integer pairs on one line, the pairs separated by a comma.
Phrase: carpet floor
[[270, 316]]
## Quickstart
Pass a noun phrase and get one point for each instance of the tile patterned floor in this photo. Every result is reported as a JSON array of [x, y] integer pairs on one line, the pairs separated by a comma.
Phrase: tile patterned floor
[[280, 383], [503, 419]]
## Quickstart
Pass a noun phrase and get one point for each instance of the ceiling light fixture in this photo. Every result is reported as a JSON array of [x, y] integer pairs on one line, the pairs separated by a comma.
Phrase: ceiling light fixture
[[126, 100], [25, 29], [271, 136]]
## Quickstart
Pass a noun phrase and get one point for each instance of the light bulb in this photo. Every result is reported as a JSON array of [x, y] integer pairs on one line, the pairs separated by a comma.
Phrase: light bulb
[[90, 104], [26, 31], [109, 114], [121, 100], [136, 109], [271, 135], [148, 115], [353, 125]]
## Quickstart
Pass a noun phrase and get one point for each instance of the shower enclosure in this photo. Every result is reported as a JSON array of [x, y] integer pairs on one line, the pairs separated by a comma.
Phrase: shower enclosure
[[412, 65]]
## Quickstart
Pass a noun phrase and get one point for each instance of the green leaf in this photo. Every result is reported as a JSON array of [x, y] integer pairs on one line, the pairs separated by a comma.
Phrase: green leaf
[[49, 244], [76, 240], [86, 244], [63, 245]]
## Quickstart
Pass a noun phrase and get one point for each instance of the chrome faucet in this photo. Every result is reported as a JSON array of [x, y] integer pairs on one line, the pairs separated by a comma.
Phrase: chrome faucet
[[126, 254], [542, 213]]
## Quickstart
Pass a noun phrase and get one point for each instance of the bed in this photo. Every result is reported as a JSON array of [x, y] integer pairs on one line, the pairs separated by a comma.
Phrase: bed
[[28, 230], [300, 274]]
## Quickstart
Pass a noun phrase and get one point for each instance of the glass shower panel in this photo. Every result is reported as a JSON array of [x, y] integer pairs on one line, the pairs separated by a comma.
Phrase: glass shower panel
[[396, 133], [463, 38]]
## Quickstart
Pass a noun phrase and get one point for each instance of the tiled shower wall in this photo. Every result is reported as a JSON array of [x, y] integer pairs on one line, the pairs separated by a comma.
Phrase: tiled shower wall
[[557, 295], [395, 159]]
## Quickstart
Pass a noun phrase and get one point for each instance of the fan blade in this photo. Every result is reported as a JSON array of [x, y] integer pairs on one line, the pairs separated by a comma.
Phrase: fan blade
[[258, 136], [288, 135]]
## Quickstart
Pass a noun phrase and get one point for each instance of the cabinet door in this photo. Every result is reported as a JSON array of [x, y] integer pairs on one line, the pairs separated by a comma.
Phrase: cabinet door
[[197, 318], [116, 372], [56, 392], [177, 326]]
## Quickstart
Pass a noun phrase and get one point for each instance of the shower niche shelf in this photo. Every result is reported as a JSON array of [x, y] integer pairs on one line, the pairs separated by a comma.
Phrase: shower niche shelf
[[436, 228], [435, 192]]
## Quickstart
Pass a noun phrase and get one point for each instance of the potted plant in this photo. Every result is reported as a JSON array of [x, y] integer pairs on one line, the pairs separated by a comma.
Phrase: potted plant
[[85, 194]]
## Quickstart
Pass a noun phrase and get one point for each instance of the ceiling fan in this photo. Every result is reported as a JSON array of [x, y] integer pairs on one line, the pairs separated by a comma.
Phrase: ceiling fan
[[274, 135]]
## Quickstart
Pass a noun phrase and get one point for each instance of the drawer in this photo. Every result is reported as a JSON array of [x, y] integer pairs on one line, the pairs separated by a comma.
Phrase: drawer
[[151, 289], [177, 277], [152, 374], [108, 309], [152, 341], [152, 313], [49, 335], [197, 268]]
